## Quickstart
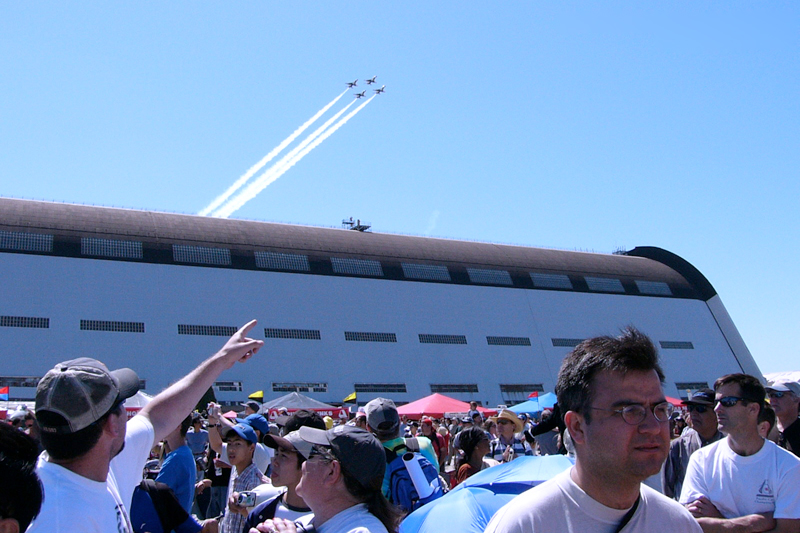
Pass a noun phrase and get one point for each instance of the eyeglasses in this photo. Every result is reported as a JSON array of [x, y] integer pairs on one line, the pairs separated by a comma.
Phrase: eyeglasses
[[699, 408], [775, 394], [730, 401], [323, 453], [503, 421], [636, 413]]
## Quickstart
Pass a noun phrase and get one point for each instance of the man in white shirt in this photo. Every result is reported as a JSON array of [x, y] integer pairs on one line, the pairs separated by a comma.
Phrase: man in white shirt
[[743, 482], [618, 417], [94, 457]]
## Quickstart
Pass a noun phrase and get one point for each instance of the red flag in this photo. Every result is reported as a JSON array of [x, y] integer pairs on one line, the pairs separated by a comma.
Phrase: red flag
[[4, 394], [534, 394]]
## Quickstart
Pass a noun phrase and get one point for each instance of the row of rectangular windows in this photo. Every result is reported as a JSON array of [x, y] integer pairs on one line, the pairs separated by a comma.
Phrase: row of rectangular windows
[[238, 386], [206, 255], [305, 334]]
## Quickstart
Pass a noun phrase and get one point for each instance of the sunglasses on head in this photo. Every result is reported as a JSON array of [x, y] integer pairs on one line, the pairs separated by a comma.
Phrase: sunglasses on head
[[699, 408]]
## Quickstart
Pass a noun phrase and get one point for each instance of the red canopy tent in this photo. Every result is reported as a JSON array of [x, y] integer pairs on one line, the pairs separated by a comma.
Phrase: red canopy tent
[[436, 405]]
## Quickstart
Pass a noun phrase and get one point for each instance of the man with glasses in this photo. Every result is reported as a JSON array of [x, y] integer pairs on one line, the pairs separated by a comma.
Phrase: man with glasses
[[94, 457], [703, 431], [784, 397], [742, 482], [610, 391]]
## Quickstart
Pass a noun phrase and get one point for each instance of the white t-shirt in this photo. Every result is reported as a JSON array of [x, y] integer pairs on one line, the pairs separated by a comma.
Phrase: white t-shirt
[[764, 482], [75, 503], [356, 519], [261, 457], [561, 505]]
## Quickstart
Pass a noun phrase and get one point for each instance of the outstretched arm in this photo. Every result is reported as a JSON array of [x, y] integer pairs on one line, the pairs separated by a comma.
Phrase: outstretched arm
[[170, 407]]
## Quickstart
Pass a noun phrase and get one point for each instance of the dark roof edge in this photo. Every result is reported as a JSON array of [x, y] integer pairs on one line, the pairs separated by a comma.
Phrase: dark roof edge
[[678, 264]]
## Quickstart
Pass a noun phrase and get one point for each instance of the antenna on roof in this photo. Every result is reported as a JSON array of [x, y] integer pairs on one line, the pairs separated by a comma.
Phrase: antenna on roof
[[356, 225]]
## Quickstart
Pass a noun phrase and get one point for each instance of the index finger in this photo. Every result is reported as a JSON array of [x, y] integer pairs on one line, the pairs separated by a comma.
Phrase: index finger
[[244, 330]]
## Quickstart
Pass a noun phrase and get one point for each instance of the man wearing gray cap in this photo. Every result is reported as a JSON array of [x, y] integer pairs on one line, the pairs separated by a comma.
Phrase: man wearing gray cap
[[383, 421], [94, 457], [784, 397], [341, 483], [703, 432]]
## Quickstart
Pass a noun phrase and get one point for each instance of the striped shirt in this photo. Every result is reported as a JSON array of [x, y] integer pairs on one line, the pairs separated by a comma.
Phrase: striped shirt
[[498, 446]]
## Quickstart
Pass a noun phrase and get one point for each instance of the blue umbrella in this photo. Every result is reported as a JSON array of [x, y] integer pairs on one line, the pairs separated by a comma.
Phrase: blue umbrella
[[470, 506]]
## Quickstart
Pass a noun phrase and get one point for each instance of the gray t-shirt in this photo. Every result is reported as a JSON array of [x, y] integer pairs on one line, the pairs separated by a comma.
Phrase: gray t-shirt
[[561, 505]]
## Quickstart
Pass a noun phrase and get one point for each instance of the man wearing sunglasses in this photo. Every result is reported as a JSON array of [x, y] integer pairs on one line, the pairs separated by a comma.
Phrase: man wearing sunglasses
[[703, 431], [610, 391], [784, 397], [742, 482]]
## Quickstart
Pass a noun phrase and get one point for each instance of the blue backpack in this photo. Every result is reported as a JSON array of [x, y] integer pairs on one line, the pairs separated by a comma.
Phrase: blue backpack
[[401, 489]]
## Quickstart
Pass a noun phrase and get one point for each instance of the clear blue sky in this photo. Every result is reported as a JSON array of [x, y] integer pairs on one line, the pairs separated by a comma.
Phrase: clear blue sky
[[589, 126]]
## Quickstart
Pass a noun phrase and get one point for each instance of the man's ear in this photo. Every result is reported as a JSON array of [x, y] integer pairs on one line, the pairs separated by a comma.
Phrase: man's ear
[[111, 426], [575, 424], [9, 525]]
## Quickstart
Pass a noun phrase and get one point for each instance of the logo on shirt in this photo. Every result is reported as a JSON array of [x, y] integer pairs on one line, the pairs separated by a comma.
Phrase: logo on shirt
[[765, 493]]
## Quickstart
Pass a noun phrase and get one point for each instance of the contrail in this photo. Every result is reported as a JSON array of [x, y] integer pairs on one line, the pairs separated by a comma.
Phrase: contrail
[[219, 200], [281, 167], [246, 193]]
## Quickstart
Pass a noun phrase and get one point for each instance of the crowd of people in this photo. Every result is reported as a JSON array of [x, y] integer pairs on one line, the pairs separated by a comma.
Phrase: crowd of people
[[726, 458]]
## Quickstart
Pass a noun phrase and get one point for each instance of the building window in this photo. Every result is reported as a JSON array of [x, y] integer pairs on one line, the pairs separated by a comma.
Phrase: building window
[[19, 381], [515, 393], [357, 267], [566, 343], [454, 387], [216, 331], [109, 325], [604, 284], [301, 334], [299, 387], [24, 322], [361, 336], [430, 272], [201, 254], [276, 261], [380, 387], [26, 242], [228, 386], [685, 387], [111, 248], [508, 341], [656, 288], [676, 345], [428, 338], [551, 281], [489, 276]]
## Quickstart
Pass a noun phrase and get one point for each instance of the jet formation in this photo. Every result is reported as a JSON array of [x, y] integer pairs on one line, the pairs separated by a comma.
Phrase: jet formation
[[370, 81]]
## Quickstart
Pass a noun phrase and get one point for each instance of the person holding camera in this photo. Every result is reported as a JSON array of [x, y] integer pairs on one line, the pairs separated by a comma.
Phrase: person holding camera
[[241, 442]]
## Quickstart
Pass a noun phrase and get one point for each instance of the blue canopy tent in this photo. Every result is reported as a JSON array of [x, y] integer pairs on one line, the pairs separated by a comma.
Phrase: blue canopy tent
[[470, 506], [535, 405]]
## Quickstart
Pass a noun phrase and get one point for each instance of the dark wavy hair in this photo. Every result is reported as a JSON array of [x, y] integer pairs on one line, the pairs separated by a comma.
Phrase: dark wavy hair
[[377, 504], [468, 440], [631, 351], [21, 491]]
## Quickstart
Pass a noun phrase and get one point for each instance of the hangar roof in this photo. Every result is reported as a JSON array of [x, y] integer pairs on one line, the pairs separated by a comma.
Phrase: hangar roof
[[70, 224]]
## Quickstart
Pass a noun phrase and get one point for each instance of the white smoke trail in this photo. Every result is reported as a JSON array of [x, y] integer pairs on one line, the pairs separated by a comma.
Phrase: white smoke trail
[[219, 200], [282, 166]]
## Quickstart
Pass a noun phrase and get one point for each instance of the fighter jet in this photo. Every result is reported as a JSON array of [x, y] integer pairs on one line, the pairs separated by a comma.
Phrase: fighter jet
[[362, 94], [350, 85], [381, 90], [371, 80]]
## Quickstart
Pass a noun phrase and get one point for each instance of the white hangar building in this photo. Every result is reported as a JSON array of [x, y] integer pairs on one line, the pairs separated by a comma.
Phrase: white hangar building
[[340, 311]]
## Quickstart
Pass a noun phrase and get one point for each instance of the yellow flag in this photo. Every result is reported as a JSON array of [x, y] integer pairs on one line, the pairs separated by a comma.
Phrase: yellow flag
[[258, 395], [350, 398]]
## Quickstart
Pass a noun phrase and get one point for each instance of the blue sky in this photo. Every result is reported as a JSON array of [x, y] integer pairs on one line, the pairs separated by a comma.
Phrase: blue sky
[[574, 125]]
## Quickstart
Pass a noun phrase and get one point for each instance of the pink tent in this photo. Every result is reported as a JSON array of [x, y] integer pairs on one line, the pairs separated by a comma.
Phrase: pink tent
[[436, 405]]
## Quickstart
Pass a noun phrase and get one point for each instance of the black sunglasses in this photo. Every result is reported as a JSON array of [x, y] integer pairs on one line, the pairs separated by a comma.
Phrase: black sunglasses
[[776, 394], [730, 401], [699, 408]]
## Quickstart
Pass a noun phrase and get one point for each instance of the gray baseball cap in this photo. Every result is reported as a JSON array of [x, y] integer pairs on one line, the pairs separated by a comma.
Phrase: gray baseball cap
[[291, 441], [382, 415], [80, 392], [785, 386]]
